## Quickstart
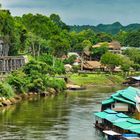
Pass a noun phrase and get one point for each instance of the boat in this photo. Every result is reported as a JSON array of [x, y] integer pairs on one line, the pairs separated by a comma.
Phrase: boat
[[75, 87], [117, 126]]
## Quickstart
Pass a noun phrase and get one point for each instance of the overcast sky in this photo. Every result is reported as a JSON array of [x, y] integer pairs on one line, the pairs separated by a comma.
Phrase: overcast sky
[[80, 12]]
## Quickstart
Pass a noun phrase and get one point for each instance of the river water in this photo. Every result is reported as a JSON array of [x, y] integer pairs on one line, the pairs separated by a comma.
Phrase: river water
[[68, 116]]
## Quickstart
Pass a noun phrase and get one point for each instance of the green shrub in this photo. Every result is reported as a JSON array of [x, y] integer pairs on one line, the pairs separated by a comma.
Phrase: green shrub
[[76, 68], [57, 84], [70, 60], [19, 81], [6, 90], [37, 85]]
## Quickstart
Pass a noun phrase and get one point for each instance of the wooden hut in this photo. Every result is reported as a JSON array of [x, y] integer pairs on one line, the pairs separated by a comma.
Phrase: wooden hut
[[113, 46], [92, 66]]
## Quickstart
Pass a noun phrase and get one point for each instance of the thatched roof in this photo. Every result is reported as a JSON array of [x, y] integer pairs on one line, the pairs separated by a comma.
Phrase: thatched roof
[[112, 45], [115, 45], [91, 65]]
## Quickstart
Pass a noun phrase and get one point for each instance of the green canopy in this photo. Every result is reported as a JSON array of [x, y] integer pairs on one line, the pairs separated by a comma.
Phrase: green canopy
[[123, 125], [136, 130], [133, 121], [136, 126], [111, 117], [114, 117], [126, 96], [101, 115], [121, 115], [108, 101], [129, 94], [104, 114], [109, 111], [124, 100], [120, 120]]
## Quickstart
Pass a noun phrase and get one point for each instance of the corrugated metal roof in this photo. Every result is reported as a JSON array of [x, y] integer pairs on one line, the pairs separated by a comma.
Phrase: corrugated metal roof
[[137, 126], [124, 100], [109, 111], [108, 101], [122, 115], [120, 120], [111, 117], [129, 124], [119, 117], [127, 96], [101, 115], [124, 125], [136, 130], [104, 114], [134, 121]]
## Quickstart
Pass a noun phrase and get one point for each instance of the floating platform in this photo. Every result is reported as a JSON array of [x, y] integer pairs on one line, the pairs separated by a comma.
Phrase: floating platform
[[75, 87]]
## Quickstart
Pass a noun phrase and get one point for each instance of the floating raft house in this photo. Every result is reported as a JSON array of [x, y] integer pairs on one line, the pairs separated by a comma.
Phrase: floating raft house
[[119, 120]]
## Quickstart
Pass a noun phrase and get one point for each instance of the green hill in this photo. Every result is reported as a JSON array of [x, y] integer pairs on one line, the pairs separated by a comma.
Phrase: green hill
[[108, 28]]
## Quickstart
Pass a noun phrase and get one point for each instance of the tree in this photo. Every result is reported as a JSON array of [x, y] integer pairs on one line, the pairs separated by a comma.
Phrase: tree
[[104, 37], [8, 30], [57, 20], [133, 39], [35, 44], [58, 46], [126, 64], [110, 60], [133, 54], [99, 51], [121, 37]]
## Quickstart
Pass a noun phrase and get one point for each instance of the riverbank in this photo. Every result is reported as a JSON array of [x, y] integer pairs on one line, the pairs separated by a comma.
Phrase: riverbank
[[53, 117], [4, 101], [96, 79]]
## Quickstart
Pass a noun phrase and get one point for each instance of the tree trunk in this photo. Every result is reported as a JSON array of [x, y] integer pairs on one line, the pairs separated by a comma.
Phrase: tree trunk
[[82, 62], [33, 49], [39, 47], [53, 61]]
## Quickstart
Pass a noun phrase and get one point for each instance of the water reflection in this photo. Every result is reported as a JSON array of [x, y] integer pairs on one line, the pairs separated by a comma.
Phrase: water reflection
[[64, 117]]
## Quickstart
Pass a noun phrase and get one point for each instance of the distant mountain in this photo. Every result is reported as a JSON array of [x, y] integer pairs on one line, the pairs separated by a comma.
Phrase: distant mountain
[[108, 28], [79, 28], [132, 27]]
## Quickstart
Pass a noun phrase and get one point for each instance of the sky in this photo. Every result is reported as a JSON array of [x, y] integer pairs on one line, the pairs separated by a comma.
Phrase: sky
[[80, 12]]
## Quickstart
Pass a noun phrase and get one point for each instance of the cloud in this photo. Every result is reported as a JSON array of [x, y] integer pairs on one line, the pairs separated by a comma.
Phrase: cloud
[[80, 11]]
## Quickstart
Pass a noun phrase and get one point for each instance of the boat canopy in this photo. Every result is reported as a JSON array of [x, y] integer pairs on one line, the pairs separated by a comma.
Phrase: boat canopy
[[127, 95], [136, 130], [101, 115], [105, 113], [133, 121], [122, 115], [124, 125], [120, 120], [111, 115], [108, 101]]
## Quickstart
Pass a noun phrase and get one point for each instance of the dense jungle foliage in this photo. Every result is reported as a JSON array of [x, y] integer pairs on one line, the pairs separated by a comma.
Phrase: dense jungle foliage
[[46, 39]]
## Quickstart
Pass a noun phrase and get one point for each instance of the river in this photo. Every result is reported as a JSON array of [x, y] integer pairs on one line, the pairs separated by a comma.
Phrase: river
[[68, 116]]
